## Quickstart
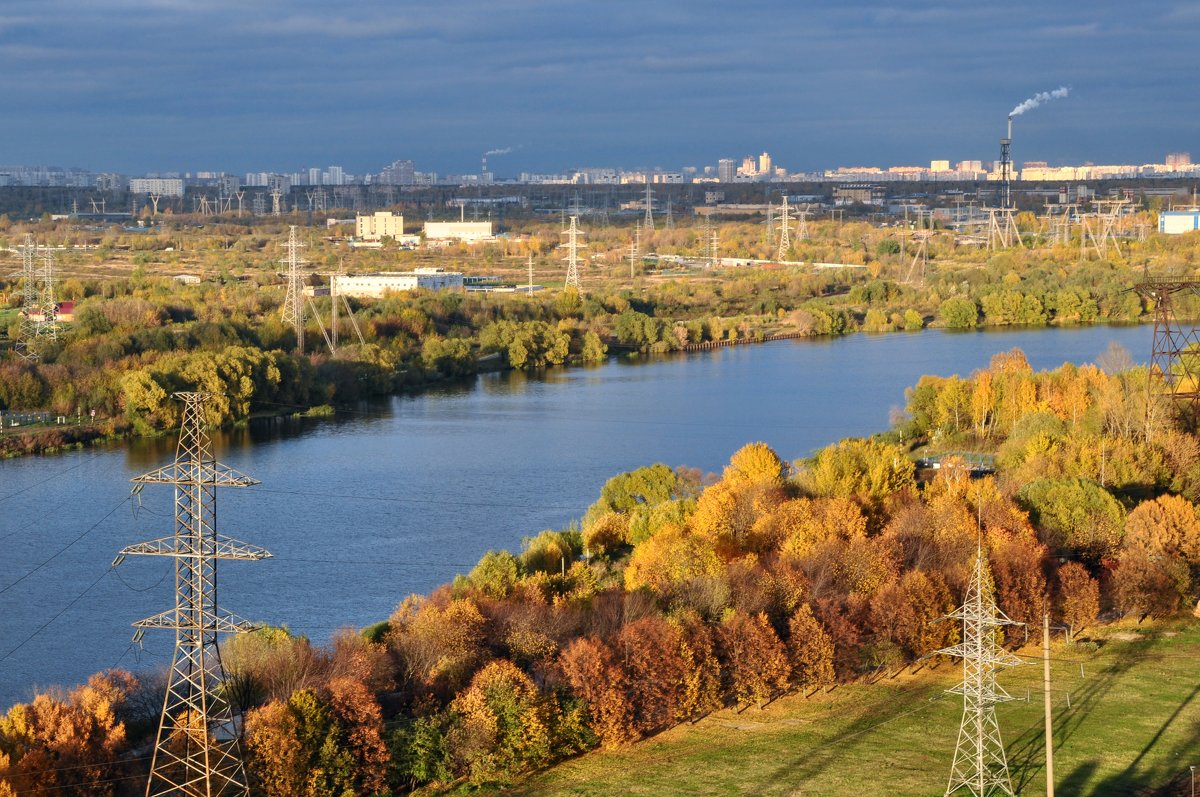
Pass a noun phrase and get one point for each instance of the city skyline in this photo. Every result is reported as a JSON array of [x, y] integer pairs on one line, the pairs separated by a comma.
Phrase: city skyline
[[179, 85]]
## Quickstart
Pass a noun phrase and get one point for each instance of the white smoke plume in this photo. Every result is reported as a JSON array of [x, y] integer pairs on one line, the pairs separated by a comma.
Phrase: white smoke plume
[[504, 151], [1038, 99]]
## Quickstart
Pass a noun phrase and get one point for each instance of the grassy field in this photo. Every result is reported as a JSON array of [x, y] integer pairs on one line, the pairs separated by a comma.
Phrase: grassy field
[[1132, 727]]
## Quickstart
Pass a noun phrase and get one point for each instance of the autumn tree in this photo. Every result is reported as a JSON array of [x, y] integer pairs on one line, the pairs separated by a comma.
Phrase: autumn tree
[[753, 659], [68, 744], [437, 643], [1078, 596], [651, 651], [1076, 516], [810, 650], [598, 678], [505, 723]]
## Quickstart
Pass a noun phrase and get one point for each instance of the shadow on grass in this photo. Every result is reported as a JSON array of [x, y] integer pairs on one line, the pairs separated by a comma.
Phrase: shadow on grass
[[831, 752], [1026, 753]]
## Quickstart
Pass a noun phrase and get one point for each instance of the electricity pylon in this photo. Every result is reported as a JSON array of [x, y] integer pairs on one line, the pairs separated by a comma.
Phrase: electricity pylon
[[635, 247], [47, 312], [649, 219], [980, 767], [785, 229], [196, 751], [39, 307], [293, 304], [572, 246], [27, 330]]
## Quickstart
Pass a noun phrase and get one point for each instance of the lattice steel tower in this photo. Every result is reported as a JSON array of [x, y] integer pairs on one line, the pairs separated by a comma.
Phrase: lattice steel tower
[[785, 229], [572, 246], [1175, 349], [980, 767], [293, 304], [649, 219], [47, 317], [196, 751], [29, 297], [635, 247]]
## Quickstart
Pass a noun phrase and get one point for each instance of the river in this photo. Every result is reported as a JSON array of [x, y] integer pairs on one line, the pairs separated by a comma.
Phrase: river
[[396, 498]]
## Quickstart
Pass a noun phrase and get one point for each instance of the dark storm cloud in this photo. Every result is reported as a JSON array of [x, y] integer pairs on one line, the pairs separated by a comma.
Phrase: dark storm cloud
[[282, 84]]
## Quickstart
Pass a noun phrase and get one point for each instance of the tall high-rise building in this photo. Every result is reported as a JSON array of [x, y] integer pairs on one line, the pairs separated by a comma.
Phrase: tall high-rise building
[[334, 176], [764, 164], [399, 172], [314, 175], [1179, 159], [726, 170]]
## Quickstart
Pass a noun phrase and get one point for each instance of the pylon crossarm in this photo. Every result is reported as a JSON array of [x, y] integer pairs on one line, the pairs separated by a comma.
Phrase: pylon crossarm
[[224, 548], [212, 474], [214, 623]]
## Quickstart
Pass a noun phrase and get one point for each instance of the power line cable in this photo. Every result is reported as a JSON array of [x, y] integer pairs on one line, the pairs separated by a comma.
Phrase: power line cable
[[60, 613], [51, 477], [65, 548]]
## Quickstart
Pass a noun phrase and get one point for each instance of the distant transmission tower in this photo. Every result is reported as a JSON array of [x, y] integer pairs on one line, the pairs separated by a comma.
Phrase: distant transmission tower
[[196, 751], [648, 221], [572, 245], [29, 298], [293, 303], [785, 229], [980, 767], [47, 318], [711, 241], [802, 224], [529, 266], [635, 247], [670, 218]]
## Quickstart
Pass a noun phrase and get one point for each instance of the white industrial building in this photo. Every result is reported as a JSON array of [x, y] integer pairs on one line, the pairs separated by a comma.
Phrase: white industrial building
[[373, 286], [1175, 222], [458, 231]]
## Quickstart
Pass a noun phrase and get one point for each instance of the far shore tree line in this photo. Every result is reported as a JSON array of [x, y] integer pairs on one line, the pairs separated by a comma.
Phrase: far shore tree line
[[137, 337]]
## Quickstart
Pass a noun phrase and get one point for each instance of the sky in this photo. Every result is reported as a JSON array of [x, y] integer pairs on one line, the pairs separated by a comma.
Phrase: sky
[[280, 85]]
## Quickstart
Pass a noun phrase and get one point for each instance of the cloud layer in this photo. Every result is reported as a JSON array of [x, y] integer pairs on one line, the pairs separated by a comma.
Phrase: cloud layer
[[141, 85]]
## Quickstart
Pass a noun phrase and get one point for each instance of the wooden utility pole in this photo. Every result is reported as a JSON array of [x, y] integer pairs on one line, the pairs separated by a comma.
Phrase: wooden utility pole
[[1049, 709]]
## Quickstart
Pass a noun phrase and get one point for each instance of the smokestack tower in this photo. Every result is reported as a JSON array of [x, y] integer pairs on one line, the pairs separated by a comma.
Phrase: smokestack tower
[[1006, 165]]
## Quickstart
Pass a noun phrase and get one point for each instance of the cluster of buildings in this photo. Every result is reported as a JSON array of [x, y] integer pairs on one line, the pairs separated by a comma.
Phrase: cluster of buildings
[[751, 168], [370, 231]]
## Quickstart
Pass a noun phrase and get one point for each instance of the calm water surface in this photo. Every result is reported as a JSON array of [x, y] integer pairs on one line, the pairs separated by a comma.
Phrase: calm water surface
[[376, 504]]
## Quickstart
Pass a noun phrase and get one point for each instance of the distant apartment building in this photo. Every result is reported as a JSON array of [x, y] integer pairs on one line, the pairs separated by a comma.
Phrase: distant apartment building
[[164, 186], [399, 172], [726, 170], [939, 166], [373, 286], [111, 181], [1178, 159], [378, 226], [466, 231]]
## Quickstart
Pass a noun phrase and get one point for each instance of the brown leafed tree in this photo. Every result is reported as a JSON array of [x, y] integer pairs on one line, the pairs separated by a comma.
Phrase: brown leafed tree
[[810, 649], [597, 677], [753, 659], [1078, 596], [1017, 570], [355, 709], [651, 652], [702, 672]]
